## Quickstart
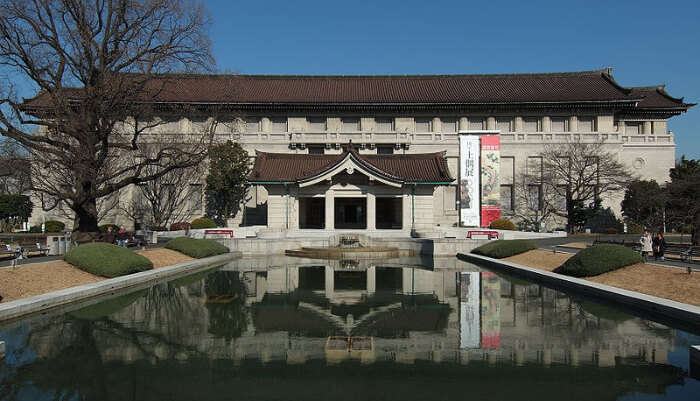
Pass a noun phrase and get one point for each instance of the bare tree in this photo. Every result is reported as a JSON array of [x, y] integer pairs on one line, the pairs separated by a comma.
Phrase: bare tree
[[98, 67], [535, 203], [15, 177], [171, 198], [583, 173]]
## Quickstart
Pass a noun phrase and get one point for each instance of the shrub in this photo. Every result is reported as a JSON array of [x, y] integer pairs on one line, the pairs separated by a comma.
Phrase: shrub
[[505, 248], [633, 228], [196, 248], [502, 224], [202, 222], [107, 260], [35, 229], [182, 225], [103, 228], [599, 259], [53, 226]]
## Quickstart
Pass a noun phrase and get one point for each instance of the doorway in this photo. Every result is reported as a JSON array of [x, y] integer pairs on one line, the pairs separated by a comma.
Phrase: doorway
[[350, 213]]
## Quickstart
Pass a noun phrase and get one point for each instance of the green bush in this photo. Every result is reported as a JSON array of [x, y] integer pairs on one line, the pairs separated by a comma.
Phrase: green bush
[[196, 248], [107, 260], [599, 259], [502, 224], [633, 228], [53, 226], [504, 248], [103, 228], [202, 222], [35, 229]]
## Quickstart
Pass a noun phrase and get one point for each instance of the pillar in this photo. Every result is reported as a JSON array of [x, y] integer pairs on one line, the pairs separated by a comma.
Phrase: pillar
[[371, 211], [463, 123], [330, 282], [491, 123], [647, 128], [371, 280], [330, 210], [573, 124], [546, 124]]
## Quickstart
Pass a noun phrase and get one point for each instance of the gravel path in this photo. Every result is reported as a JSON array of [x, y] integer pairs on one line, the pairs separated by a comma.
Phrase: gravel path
[[39, 278], [659, 281]]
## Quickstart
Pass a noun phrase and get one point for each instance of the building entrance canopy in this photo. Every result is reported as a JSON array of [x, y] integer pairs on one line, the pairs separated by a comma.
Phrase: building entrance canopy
[[350, 190]]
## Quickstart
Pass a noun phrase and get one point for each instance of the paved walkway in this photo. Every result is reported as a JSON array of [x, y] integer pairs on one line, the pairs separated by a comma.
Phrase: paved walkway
[[7, 262]]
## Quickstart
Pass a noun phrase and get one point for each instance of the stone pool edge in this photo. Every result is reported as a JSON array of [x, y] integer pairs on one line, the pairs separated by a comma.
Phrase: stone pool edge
[[689, 314], [38, 303]]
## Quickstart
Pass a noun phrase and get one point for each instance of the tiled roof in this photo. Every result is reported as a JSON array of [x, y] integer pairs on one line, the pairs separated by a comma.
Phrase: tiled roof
[[655, 97], [293, 167], [567, 87]]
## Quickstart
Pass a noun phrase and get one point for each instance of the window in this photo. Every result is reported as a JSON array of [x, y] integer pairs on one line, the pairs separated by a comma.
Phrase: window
[[506, 197], [633, 128], [560, 124], [279, 124], [252, 124], [504, 124], [424, 124], [534, 197], [477, 123], [316, 124], [384, 124], [531, 124], [449, 124], [385, 149], [317, 149], [586, 124], [350, 124], [195, 198]]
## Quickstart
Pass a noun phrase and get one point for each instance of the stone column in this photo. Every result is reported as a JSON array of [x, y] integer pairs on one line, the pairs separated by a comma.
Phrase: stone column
[[518, 124], [573, 124], [491, 123], [463, 123], [265, 126], [371, 280], [647, 128], [437, 125], [546, 124], [330, 282], [371, 210], [330, 210]]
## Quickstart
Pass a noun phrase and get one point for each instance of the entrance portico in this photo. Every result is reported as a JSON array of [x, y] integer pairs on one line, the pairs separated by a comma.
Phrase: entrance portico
[[350, 191]]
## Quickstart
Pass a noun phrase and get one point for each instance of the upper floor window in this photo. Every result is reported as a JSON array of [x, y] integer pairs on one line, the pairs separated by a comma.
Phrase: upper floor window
[[560, 124], [350, 124], [449, 124], [633, 128], [424, 124], [385, 149], [317, 149], [278, 124], [531, 124], [384, 124], [252, 124], [477, 123], [586, 124], [316, 124], [504, 124]]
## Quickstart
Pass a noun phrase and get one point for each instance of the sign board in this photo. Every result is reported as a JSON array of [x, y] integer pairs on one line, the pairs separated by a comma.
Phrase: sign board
[[469, 178], [490, 179]]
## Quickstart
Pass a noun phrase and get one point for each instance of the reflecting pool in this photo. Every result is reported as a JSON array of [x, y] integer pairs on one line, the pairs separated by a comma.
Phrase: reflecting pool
[[299, 329]]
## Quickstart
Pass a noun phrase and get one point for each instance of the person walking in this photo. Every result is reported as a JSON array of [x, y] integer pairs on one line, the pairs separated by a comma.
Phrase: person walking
[[645, 242], [659, 245], [122, 237]]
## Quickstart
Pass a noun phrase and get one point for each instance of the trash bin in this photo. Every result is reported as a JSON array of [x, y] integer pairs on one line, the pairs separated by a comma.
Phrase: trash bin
[[61, 245], [53, 243]]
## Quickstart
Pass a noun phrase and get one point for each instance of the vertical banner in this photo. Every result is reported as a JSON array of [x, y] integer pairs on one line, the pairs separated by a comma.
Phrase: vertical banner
[[469, 313], [490, 180], [469, 180], [490, 310]]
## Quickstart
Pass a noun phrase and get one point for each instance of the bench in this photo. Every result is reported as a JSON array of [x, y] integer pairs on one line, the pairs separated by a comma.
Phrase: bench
[[689, 254], [220, 232], [43, 251], [490, 234]]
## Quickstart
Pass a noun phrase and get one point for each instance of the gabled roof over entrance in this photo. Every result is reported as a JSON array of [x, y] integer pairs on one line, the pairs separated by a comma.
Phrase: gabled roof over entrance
[[420, 168]]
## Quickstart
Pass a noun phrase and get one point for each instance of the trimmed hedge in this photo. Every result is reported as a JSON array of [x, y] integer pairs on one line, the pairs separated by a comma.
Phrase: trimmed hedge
[[504, 248], [599, 259], [196, 248], [502, 224], [107, 260], [202, 222], [53, 226]]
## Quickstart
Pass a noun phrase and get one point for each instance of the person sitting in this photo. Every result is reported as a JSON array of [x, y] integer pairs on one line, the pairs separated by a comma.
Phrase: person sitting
[[122, 237], [109, 235]]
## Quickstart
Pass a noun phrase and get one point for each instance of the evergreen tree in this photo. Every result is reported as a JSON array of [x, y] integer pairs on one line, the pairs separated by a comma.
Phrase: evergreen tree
[[227, 182]]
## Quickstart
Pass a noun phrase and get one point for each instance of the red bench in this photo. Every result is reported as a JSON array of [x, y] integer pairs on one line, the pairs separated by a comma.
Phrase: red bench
[[490, 234], [225, 232]]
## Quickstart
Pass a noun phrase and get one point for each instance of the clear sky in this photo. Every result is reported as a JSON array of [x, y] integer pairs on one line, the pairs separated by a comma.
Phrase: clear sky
[[646, 42]]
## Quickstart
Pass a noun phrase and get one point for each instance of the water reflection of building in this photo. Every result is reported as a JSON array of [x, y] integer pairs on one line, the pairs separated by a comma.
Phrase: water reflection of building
[[288, 313]]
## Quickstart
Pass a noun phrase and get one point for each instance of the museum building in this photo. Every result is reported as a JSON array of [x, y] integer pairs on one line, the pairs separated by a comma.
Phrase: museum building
[[383, 152]]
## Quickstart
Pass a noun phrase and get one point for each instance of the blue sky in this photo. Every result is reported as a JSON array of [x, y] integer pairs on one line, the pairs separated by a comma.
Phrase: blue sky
[[646, 42]]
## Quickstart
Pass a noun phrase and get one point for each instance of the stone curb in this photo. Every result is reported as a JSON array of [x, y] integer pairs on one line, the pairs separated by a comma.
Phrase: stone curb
[[25, 306], [688, 314]]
